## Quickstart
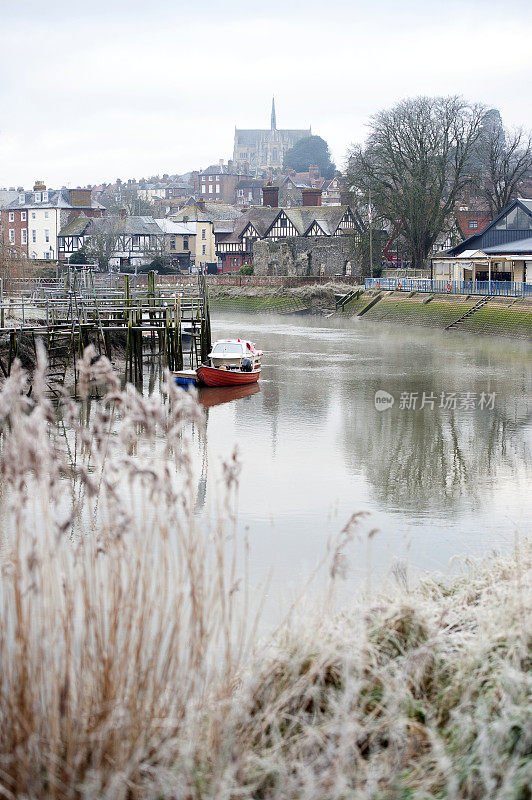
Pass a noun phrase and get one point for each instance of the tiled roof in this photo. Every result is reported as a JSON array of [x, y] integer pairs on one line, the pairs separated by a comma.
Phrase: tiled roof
[[211, 212], [171, 227], [76, 227], [57, 198], [301, 217]]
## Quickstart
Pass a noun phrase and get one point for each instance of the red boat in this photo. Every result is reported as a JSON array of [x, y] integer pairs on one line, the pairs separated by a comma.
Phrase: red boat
[[232, 362]]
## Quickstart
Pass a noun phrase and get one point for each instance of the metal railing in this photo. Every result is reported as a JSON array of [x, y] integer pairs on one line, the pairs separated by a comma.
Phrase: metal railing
[[494, 288]]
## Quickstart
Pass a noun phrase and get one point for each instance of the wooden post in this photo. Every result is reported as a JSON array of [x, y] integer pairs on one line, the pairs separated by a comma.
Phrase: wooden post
[[11, 346], [128, 348], [179, 361], [126, 290]]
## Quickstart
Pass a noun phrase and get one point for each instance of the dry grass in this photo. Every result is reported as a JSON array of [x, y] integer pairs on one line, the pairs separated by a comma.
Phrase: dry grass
[[128, 663]]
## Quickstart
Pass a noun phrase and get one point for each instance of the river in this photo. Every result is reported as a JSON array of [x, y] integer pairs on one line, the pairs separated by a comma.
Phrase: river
[[445, 471]]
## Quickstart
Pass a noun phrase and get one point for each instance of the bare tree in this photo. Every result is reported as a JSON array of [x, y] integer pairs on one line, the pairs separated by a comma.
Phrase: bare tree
[[415, 164], [505, 157], [101, 240]]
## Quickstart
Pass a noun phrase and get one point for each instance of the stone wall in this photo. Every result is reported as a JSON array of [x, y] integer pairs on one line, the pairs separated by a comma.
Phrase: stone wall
[[313, 256]]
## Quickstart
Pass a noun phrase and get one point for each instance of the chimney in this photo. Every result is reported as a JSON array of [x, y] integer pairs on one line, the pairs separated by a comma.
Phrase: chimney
[[122, 213], [200, 204], [39, 186], [80, 198], [270, 196], [311, 197]]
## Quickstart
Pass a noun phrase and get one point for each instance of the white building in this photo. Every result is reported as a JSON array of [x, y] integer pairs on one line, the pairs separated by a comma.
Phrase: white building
[[41, 213]]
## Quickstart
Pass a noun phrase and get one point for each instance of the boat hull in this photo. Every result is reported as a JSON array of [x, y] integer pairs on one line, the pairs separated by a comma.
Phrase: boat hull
[[211, 376]]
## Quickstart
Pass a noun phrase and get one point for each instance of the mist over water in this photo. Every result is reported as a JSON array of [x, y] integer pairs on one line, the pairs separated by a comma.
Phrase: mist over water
[[437, 482]]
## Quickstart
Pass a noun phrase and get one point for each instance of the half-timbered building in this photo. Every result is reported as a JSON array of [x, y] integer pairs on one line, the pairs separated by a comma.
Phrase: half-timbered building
[[135, 240], [304, 224]]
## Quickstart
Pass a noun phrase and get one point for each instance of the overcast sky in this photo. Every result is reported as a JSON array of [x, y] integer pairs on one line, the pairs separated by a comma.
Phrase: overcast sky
[[121, 88]]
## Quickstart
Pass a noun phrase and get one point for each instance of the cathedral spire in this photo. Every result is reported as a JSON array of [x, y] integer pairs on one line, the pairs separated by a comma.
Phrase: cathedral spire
[[274, 121]]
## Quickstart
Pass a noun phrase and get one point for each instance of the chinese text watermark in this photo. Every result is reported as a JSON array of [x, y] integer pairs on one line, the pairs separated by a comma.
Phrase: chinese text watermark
[[449, 401]]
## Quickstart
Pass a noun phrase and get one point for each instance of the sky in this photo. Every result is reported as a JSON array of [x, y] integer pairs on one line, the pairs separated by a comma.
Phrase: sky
[[93, 91]]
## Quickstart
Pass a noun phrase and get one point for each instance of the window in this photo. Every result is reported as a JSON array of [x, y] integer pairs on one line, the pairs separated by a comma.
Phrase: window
[[46, 214], [210, 177], [46, 235], [34, 236], [11, 236], [240, 192], [21, 198], [24, 233], [203, 189], [210, 188], [227, 348], [203, 233], [45, 197], [203, 249], [185, 242], [11, 216], [47, 255], [217, 188], [172, 244], [282, 222], [33, 214], [473, 223], [23, 216], [37, 197]]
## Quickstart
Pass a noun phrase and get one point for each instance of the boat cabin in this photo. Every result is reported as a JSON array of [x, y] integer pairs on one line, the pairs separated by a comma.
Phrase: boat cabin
[[229, 353]]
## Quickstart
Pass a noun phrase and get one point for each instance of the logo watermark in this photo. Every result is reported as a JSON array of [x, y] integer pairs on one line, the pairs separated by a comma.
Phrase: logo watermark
[[383, 400], [449, 401]]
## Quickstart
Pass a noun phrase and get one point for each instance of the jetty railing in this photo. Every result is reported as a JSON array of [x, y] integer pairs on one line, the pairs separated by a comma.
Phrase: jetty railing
[[485, 288], [173, 322]]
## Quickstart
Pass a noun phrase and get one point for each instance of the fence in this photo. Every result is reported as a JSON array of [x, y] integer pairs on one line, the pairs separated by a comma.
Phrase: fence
[[492, 288]]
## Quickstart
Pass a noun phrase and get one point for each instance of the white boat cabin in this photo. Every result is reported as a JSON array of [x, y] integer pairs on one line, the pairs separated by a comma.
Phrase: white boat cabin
[[230, 353]]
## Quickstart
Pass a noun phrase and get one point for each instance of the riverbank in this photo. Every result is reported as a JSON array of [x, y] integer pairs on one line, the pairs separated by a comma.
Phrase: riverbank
[[497, 317]]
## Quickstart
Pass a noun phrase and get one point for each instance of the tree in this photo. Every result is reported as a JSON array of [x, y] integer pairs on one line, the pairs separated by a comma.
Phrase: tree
[[505, 158], [307, 151], [415, 164], [79, 257], [100, 243]]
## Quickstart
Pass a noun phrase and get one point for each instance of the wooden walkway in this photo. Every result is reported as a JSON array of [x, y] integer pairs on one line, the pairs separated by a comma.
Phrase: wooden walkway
[[172, 322]]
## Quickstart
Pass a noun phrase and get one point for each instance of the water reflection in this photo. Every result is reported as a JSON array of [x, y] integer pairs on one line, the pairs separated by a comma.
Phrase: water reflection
[[448, 480], [438, 482]]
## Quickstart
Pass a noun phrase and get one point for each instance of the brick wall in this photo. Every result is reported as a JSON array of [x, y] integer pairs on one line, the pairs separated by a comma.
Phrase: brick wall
[[17, 224]]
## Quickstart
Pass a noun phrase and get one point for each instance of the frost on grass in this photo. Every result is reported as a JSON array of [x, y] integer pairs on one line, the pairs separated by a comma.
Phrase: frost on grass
[[127, 666]]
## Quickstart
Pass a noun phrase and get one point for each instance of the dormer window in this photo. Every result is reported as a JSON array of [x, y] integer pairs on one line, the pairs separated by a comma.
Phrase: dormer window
[[45, 197], [21, 198], [37, 197]]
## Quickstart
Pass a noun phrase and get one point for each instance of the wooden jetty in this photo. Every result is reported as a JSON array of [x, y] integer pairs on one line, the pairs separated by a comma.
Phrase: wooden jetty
[[172, 322]]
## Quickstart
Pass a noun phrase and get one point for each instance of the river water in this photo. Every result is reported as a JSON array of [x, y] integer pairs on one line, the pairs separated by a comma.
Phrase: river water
[[445, 471]]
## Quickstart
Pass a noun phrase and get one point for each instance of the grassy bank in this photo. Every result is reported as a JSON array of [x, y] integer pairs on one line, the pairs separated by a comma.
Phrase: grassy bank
[[314, 298], [500, 317], [130, 666]]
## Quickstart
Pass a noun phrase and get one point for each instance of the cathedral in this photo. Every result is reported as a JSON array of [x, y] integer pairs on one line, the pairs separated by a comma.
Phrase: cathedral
[[265, 149]]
